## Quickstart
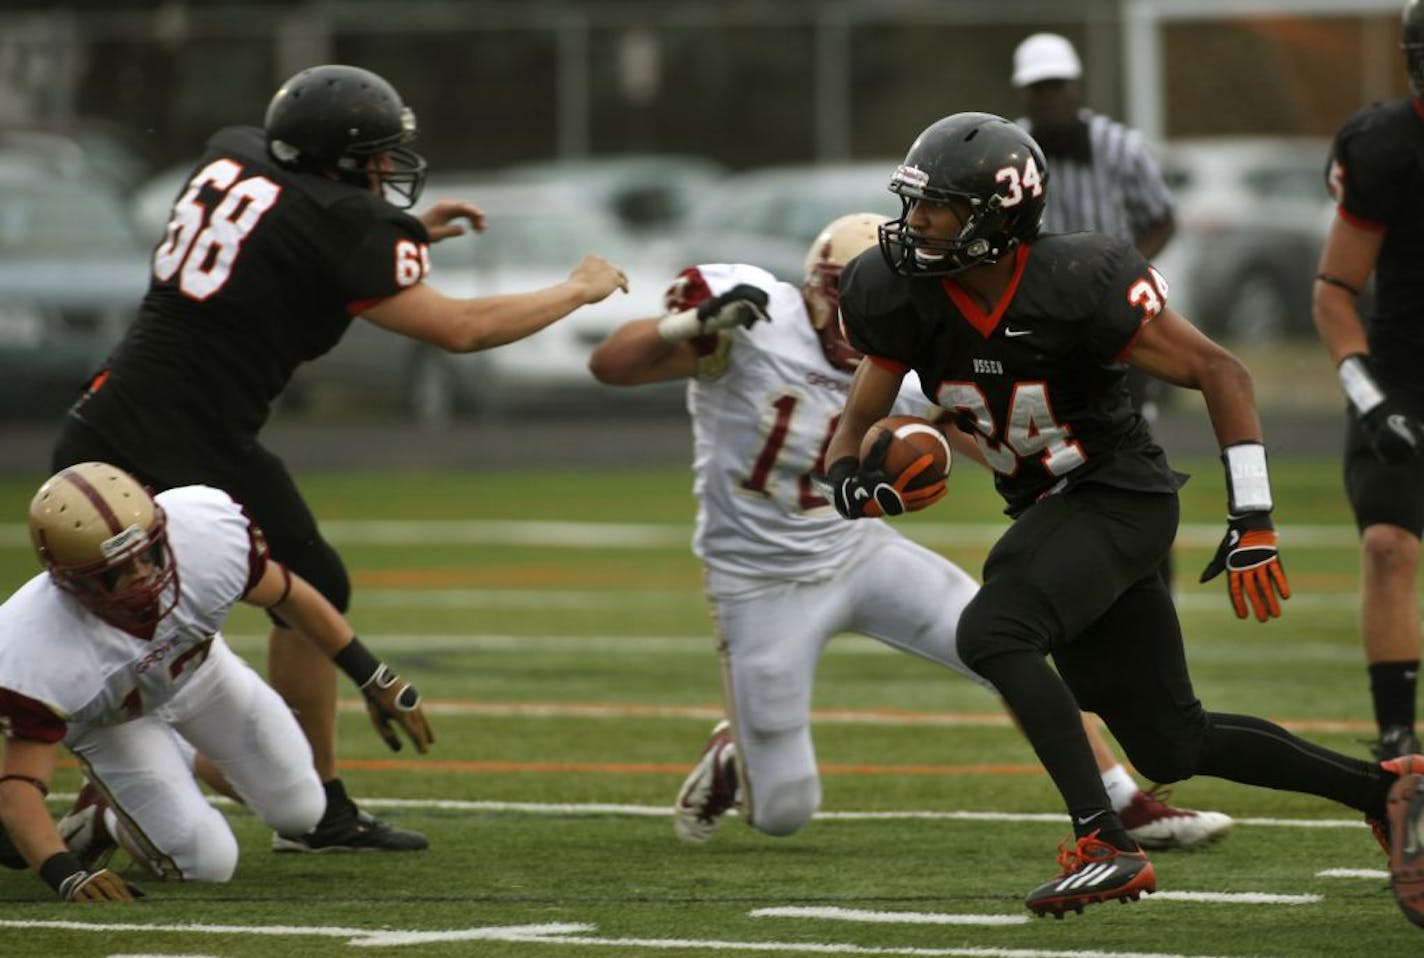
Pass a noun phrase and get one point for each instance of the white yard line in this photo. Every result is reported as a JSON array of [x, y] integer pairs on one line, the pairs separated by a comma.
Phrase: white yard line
[[567, 934]]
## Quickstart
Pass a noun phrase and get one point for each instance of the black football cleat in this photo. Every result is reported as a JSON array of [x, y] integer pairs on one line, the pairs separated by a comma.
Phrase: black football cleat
[[1093, 871], [356, 831]]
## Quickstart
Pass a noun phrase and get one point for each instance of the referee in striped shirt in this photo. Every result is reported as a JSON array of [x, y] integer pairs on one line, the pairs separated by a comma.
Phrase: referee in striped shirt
[[1104, 177]]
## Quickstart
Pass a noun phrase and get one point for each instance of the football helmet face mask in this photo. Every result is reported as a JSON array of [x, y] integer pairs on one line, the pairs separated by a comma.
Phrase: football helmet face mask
[[350, 121], [1412, 44], [991, 173], [104, 540], [841, 241]]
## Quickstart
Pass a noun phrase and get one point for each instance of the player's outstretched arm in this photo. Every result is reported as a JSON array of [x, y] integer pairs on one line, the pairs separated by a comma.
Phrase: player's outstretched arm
[[485, 322], [635, 354], [389, 698]]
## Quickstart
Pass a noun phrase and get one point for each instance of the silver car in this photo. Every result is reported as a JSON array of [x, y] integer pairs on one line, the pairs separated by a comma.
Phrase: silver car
[[72, 272]]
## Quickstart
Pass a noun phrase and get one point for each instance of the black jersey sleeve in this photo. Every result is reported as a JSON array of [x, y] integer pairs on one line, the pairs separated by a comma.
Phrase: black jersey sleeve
[[875, 309], [390, 251], [1133, 294], [1371, 166]]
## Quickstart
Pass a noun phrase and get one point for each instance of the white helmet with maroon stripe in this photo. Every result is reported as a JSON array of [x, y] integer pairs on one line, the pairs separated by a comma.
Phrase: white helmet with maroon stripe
[[88, 524], [842, 240]]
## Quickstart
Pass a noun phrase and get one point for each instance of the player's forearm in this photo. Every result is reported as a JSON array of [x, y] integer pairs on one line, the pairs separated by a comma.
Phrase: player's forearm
[[491, 321], [1230, 397], [307, 611], [635, 353], [27, 821], [1337, 320]]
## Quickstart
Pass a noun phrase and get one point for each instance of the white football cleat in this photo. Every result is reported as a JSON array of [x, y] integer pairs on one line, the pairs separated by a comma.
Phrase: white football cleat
[[1153, 823], [710, 790]]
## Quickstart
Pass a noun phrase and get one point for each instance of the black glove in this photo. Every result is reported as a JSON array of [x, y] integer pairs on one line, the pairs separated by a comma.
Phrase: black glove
[[861, 489], [743, 305], [1252, 563], [1395, 435]]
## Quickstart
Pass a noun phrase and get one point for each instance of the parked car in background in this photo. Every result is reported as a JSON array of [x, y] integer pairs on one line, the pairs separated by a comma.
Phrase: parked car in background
[[769, 216], [650, 193], [72, 272], [535, 234], [1251, 219]]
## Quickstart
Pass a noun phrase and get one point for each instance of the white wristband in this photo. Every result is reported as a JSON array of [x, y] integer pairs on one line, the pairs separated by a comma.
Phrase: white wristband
[[1360, 387], [1248, 486], [679, 326]]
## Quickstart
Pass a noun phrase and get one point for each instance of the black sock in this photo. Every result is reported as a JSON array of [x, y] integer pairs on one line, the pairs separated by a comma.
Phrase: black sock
[[1393, 686], [338, 803], [1253, 751]]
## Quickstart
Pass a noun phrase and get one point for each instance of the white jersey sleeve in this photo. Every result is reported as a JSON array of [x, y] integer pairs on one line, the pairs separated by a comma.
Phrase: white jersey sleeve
[[763, 408]]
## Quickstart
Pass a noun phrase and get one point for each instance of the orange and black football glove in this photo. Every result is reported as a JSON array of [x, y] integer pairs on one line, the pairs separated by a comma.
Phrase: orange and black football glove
[[1249, 557], [862, 489]]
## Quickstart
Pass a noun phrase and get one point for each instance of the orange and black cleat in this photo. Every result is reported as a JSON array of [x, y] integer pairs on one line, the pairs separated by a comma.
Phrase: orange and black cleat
[[1093, 871], [1404, 812]]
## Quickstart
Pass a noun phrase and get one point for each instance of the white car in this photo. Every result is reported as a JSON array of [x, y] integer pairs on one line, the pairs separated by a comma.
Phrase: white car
[[769, 216], [534, 236], [1251, 217]]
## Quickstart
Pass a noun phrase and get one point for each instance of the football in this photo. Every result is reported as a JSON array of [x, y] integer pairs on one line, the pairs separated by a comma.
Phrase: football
[[914, 437]]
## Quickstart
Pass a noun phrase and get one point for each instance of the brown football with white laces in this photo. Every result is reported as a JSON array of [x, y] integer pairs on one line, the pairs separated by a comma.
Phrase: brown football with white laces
[[913, 438]]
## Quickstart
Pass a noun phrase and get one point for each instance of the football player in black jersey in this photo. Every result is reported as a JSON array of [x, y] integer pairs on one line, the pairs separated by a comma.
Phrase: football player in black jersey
[[281, 236], [1375, 175], [1024, 338]]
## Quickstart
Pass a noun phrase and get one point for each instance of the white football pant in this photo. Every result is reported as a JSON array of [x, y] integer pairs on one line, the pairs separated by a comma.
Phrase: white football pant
[[241, 724], [771, 633]]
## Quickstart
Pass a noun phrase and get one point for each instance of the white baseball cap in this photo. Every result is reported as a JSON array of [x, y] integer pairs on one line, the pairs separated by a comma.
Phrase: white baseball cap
[[1045, 56]]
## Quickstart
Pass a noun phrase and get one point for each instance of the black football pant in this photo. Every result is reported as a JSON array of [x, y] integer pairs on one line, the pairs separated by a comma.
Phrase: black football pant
[[254, 477], [1075, 578]]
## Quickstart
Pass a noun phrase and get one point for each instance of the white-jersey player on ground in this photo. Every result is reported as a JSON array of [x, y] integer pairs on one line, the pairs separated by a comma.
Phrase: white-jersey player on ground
[[116, 653], [768, 370]]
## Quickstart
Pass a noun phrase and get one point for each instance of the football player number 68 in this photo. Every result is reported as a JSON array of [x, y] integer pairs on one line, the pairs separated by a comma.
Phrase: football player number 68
[[201, 244]]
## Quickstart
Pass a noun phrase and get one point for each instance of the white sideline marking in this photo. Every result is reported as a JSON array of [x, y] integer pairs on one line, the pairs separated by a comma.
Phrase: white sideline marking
[[1235, 898], [1370, 873], [886, 917], [630, 535], [562, 934]]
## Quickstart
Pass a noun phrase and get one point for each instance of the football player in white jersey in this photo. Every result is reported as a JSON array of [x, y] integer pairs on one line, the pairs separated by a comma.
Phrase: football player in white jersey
[[768, 369], [115, 651]]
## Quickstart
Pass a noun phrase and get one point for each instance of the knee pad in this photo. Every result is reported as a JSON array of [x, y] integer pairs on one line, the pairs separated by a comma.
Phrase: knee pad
[[205, 850], [786, 807], [296, 811]]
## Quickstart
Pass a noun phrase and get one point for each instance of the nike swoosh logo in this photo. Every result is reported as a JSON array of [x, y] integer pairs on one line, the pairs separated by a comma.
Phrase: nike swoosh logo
[[1084, 821], [1016, 332]]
